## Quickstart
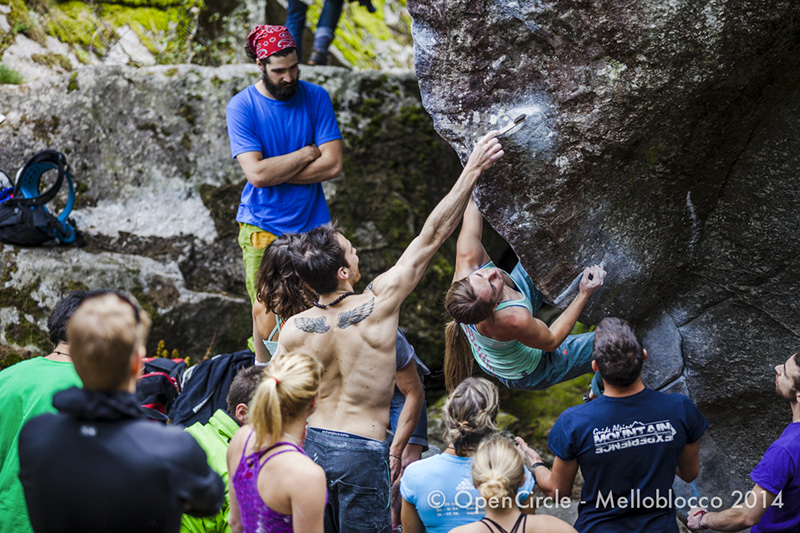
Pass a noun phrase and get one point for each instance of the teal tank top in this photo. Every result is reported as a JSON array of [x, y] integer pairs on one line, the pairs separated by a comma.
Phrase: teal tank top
[[504, 359]]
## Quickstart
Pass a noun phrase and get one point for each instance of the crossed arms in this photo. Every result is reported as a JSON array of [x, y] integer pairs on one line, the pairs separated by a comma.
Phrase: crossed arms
[[310, 164]]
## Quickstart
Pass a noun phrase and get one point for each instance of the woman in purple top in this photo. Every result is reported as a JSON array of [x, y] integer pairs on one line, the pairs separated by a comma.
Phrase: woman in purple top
[[275, 486]]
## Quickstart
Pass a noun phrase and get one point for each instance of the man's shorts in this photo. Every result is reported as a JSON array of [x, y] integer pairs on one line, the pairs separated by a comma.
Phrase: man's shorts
[[357, 470], [253, 241]]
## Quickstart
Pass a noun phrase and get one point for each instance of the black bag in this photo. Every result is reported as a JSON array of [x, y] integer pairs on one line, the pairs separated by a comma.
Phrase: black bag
[[24, 219], [160, 385]]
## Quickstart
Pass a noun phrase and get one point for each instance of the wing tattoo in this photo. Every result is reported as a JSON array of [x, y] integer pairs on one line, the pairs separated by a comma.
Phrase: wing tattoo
[[354, 316], [312, 325]]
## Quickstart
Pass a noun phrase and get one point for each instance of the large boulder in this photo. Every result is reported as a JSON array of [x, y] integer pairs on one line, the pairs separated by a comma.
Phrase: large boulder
[[158, 193], [661, 139]]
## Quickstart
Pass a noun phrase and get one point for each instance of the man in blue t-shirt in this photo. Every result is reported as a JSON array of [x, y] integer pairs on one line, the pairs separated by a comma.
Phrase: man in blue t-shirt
[[773, 506], [284, 134], [628, 443]]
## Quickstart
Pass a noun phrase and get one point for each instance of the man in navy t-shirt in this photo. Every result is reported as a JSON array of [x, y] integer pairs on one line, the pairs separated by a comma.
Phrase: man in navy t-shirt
[[284, 134], [629, 443], [778, 473]]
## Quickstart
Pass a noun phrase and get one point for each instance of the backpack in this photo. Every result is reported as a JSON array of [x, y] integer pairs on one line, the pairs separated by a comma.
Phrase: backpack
[[159, 386], [24, 219]]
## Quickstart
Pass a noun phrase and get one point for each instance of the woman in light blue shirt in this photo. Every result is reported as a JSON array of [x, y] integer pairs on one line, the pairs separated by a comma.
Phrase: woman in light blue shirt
[[438, 493]]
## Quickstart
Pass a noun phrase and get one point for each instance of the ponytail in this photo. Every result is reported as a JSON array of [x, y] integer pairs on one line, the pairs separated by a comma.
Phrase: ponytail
[[458, 360], [465, 307], [290, 382], [265, 413], [498, 471]]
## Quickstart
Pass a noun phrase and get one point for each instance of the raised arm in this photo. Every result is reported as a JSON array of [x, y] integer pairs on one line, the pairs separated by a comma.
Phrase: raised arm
[[398, 282], [470, 253], [533, 332]]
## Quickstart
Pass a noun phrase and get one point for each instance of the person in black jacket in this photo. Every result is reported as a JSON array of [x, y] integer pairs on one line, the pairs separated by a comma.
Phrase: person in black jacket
[[100, 465]]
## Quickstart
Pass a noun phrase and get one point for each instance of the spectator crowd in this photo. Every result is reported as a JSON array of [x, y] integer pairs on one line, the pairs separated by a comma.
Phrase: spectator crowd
[[321, 425]]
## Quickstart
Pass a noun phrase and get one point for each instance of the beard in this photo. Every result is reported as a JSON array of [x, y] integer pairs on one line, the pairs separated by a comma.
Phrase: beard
[[282, 91]]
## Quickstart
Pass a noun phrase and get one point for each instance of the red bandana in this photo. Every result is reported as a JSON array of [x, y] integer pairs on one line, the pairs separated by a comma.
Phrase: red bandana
[[266, 40]]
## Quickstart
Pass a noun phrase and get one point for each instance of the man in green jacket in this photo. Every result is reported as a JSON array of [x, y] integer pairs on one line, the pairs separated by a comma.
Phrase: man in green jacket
[[26, 391], [214, 437]]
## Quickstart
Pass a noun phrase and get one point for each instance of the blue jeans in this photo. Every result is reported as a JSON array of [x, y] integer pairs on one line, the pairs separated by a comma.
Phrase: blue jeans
[[326, 27], [357, 470], [572, 359], [420, 435]]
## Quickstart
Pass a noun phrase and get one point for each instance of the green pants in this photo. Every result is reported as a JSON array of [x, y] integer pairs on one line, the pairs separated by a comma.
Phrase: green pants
[[253, 241]]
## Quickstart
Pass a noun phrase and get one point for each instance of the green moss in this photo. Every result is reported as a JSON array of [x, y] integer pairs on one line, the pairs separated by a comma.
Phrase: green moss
[[156, 4], [538, 410], [28, 334], [77, 23], [75, 286], [44, 127], [187, 113], [359, 30], [73, 83], [22, 301], [9, 76], [171, 72], [145, 22], [83, 56], [52, 60], [10, 357]]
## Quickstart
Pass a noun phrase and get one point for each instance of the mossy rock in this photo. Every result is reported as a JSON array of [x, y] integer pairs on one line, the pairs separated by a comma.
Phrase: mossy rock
[[538, 410]]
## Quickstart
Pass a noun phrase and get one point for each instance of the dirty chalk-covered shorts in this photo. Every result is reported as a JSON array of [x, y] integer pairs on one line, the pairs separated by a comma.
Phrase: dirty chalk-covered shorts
[[357, 469]]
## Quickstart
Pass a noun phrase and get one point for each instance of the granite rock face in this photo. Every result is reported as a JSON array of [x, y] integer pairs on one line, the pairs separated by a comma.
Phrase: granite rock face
[[661, 140], [158, 193]]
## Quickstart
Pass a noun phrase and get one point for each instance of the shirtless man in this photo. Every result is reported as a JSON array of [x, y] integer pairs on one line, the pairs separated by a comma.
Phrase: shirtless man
[[354, 336]]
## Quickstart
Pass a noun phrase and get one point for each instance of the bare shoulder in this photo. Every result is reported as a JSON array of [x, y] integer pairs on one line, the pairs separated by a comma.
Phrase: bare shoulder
[[240, 436], [514, 318], [474, 527], [303, 467], [547, 523], [237, 443], [310, 470]]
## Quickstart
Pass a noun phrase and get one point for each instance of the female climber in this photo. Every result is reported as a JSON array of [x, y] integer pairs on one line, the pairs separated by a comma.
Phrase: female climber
[[494, 321]]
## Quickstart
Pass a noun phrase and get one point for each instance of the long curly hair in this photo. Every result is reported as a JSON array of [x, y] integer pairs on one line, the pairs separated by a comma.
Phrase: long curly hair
[[278, 286]]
